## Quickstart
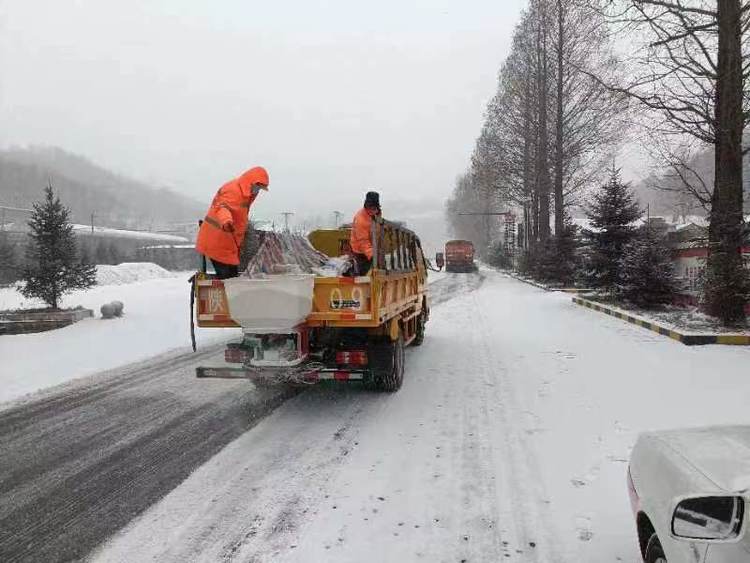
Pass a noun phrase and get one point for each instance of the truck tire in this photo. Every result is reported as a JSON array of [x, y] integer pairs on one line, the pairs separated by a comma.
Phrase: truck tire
[[387, 364], [419, 334]]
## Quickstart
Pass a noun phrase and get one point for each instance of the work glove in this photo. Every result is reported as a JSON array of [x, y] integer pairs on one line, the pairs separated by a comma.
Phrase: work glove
[[228, 227]]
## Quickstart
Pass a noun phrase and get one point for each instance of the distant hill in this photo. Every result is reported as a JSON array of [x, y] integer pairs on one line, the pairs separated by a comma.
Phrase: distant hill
[[87, 188]]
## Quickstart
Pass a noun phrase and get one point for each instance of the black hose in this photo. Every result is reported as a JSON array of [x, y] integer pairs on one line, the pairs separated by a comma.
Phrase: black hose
[[192, 311]]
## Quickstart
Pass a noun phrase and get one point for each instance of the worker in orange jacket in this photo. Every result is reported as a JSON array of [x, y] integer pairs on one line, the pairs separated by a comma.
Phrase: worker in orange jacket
[[222, 232], [361, 237]]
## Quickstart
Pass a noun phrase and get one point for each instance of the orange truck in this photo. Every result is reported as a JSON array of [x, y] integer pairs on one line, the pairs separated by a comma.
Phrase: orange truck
[[459, 256], [351, 329]]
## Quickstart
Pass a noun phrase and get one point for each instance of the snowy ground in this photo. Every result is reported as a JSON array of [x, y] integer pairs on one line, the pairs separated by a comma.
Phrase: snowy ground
[[689, 320], [433, 277], [509, 441], [156, 320]]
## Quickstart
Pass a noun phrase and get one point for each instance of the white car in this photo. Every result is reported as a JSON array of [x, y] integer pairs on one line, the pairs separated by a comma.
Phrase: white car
[[690, 494]]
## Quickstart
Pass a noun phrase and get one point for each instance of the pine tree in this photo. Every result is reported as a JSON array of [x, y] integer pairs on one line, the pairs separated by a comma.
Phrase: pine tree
[[53, 267], [8, 261], [647, 275], [612, 214]]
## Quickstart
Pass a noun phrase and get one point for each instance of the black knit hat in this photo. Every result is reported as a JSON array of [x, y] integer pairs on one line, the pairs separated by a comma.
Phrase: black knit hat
[[372, 199]]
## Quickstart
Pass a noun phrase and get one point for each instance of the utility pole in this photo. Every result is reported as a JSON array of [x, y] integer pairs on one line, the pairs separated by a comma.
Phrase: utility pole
[[286, 215], [337, 217], [92, 222]]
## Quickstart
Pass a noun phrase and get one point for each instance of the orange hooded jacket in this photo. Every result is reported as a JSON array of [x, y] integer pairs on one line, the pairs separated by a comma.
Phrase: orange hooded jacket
[[361, 242], [230, 204]]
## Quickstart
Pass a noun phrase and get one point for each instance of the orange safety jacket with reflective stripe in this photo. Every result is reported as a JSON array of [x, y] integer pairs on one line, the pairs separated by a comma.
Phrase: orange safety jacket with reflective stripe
[[361, 232], [230, 204]]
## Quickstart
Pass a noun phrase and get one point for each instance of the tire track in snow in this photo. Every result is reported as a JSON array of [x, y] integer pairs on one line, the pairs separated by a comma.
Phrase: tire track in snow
[[454, 285], [536, 534], [80, 463]]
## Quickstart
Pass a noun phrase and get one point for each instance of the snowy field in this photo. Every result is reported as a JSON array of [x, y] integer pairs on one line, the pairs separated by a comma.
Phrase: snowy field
[[508, 442], [156, 320]]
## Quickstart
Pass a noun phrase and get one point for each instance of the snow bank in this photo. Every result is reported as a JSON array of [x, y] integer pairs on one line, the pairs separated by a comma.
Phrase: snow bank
[[85, 230], [131, 272]]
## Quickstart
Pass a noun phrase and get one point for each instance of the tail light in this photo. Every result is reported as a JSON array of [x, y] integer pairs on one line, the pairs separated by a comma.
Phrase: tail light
[[351, 358]]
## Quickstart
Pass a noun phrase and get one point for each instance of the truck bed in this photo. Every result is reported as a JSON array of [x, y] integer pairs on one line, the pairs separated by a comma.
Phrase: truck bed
[[366, 301]]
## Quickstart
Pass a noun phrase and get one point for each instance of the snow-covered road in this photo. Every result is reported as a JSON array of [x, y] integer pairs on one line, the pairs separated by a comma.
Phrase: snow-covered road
[[78, 464], [508, 442]]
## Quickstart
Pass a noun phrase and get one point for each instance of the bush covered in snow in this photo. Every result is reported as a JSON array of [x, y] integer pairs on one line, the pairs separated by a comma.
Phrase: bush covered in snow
[[647, 276]]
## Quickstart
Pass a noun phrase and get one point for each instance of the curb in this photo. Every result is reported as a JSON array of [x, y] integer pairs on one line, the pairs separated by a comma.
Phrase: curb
[[686, 339], [544, 287]]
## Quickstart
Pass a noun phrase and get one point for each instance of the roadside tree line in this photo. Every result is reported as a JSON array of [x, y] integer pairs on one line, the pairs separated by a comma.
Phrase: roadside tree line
[[585, 75]]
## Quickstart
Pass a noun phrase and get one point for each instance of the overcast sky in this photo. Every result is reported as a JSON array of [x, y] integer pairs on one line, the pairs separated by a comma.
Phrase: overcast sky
[[333, 97]]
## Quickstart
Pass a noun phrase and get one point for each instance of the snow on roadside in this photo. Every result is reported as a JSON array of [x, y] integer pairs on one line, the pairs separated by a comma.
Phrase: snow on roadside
[[125, 273], [433, 277], [156, 320], [86, 230], [130, 272]]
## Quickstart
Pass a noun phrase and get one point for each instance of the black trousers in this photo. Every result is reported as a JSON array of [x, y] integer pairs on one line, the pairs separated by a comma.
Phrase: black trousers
[[224, 271], [362, 265]]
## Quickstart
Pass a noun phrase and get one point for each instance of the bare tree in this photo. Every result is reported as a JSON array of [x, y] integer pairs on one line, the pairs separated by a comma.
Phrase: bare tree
[[587, 114], [542, 95], [509, 140], [540, 12], [681, 175], [691, 69]]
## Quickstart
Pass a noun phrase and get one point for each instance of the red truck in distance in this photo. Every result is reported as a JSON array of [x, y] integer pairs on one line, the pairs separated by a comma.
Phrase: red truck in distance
[[459, 256]]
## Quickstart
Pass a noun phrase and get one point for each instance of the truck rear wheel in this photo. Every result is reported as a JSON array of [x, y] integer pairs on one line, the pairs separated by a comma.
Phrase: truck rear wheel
[[387, 363], [419, 334]]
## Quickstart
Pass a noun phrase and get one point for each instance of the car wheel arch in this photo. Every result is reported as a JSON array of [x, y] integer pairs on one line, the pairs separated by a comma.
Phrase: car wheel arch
[[645, 531]]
